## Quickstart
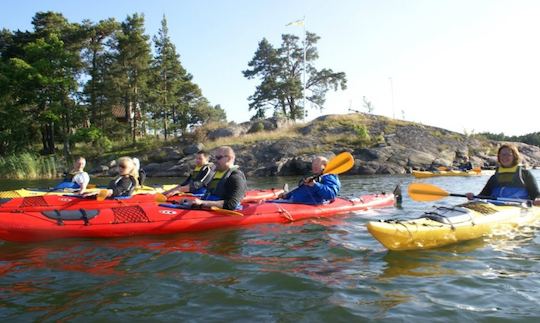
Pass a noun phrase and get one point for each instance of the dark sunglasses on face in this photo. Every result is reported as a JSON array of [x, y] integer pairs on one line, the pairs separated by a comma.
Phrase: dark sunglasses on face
[[122, 166], [218, 157]]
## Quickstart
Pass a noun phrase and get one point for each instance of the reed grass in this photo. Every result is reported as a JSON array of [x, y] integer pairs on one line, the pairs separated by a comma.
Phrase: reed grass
[[28, 166]]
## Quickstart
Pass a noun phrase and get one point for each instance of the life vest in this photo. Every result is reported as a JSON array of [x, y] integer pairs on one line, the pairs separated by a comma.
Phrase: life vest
[[195, 176], [216, 187], [129, 190], [509, 183]]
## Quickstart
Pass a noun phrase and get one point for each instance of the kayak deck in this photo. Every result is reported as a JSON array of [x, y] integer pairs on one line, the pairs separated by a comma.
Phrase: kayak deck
[[451, 225]]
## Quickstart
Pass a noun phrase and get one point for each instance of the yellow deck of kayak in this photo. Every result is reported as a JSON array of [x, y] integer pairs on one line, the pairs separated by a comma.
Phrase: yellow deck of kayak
[[23, 192], [426, 174], [464, 222]]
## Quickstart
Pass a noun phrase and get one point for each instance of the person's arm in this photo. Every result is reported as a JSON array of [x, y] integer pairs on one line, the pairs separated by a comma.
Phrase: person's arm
[[187, 181], [531, 185], [328, 187], [488, 188], [236, 187]]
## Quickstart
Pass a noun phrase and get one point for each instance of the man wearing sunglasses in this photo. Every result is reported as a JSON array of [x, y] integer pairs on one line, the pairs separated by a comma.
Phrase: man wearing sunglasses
[[228, 185]]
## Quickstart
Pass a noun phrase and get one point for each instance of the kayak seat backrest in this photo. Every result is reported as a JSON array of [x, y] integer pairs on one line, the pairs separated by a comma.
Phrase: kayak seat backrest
[[71, 215], [33, 201], [129, 214], [2, 201]]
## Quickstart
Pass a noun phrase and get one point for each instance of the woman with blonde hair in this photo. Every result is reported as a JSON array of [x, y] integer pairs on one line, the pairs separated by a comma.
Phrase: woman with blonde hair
[[125, 183], [510, 180]]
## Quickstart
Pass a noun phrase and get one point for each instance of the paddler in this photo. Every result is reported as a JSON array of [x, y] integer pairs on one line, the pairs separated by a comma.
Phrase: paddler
[[125, 183], [197, 181], [228, 185], [77, 179], [510, 180], [317, 189]]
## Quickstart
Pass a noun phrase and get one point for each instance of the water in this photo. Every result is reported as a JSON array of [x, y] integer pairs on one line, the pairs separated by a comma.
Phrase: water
[[312, 271]]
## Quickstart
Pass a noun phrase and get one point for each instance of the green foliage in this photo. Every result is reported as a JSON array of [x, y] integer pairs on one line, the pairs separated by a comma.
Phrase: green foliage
[[94, 136], [27, 166], [281, 69], [531, 138], [64, 76]]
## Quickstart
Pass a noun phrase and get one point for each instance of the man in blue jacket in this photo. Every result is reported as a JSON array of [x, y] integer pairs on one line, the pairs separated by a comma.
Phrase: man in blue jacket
[[318, 189]]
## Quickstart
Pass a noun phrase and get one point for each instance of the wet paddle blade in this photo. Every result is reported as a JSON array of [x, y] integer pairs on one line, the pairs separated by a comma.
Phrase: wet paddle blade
[[423, 192], [339, 164]]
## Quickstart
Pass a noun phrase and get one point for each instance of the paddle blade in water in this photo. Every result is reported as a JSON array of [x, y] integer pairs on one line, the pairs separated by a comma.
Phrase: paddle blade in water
[[426, 192]]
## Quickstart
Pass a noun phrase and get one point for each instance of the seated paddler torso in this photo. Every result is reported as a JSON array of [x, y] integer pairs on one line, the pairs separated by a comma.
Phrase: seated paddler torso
[[77, 179], [511, 180], [197, 181], [126, 181], [228, 185], [319, 189]]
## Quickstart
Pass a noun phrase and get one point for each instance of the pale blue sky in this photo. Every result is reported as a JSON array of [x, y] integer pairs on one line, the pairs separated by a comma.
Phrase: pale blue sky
[[463, 65]]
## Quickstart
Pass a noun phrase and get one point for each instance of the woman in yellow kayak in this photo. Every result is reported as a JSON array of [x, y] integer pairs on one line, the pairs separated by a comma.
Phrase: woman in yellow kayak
[[510, 180]]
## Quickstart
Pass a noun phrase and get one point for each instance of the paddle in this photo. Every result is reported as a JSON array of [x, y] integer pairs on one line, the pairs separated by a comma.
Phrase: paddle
[[225, 211], [102, 195], [161, 198], [337, 165], [423, 192]]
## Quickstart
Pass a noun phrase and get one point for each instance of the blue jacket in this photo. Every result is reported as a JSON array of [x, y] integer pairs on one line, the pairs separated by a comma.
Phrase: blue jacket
[[324, 191]]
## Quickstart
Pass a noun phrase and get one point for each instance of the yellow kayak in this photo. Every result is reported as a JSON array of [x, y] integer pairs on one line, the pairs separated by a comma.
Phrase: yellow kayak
[[23, 192], [427, 174], [447, 225]]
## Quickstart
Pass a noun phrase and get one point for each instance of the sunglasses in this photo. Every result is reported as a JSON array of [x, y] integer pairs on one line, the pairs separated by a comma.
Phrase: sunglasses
[[122, 166], [218, 157]]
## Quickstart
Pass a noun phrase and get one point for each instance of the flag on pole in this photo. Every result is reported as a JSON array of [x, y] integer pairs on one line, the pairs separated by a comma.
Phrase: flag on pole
[[296, 23]]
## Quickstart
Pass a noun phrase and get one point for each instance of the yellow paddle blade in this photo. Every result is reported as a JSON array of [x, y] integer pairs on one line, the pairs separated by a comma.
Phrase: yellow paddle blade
[[160, 198], [225, 211], [442, 168], [102, 194], [477, 170], [426, 192], [339, 164]]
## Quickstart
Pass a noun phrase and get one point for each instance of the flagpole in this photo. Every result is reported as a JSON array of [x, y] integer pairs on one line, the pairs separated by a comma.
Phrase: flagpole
[[304, 76]]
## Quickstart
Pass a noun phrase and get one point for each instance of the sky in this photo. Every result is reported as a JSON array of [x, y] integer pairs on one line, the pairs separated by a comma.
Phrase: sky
[[469, 66]]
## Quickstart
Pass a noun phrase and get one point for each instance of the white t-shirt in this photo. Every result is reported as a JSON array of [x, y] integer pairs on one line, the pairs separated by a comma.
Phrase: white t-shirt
[[81, 178]]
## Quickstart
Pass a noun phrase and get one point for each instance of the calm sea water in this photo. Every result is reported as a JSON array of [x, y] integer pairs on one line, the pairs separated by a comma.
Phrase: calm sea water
[[313, 271]]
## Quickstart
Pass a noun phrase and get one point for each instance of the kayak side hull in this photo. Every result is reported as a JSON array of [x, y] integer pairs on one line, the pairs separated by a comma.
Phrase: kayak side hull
[[425, 233], [152, 219]]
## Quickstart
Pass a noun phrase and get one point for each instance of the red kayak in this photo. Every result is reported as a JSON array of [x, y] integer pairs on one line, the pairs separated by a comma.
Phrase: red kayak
[[70, 202], [153, 219]]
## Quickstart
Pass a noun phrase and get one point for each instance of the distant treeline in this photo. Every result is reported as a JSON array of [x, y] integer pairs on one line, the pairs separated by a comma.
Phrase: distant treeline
[[531, 138], [93, 82]]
